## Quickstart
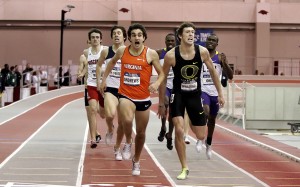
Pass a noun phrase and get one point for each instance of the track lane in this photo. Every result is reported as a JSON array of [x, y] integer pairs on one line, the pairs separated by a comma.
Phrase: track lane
[[52, 154], [235, 149], [15, 131]]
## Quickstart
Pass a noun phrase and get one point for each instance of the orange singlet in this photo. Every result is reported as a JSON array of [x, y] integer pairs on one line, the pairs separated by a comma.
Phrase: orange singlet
[[135, 76]]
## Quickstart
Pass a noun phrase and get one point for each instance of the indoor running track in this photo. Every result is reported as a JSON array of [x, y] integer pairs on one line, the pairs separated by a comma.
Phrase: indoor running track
[[44, 142]]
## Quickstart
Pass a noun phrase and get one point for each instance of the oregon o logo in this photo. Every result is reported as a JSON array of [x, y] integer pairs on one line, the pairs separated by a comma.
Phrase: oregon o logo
[[189, 71]]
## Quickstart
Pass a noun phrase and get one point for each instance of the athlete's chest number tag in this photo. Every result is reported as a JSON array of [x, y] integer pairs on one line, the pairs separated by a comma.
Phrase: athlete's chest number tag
[[116, 72], [132, 79], [189, 85]]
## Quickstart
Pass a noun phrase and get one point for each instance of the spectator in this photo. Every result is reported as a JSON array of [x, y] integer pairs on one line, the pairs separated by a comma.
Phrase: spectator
[[4, 73], [27, 75], [2, 87], [36, 79], [11, 78], [18, 75], [58, 78], [43, 77], [67, 78]]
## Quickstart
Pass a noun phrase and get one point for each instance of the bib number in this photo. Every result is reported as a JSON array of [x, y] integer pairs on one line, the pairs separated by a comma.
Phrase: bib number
[[132, 79]]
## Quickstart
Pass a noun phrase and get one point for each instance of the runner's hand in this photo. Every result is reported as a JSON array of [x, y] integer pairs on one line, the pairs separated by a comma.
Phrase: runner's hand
[[221, 101], [153, 88], [102, 87], [161, 113]]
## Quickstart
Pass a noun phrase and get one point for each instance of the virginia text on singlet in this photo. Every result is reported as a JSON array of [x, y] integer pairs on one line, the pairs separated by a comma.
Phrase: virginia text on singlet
[[135, 75]]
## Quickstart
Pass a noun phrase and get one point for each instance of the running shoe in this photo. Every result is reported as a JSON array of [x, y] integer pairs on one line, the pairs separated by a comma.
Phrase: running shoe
[[161, 135], [108, 137], [199, 146], [118, 155], [126, 153], [186, 140], [208, 151], [169, 142], [98, 138], [93, 144], [136, 168], [183, 175]]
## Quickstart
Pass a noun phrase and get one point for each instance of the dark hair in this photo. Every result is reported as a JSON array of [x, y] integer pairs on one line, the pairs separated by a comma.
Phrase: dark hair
[[179, 31], [213, 34], [121, 28], [137, 26], [170, 34], [95, 31]]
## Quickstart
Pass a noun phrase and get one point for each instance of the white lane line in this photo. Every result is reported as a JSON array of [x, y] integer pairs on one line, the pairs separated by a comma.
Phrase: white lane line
[[157, 162], [268, 147], [230, 163], [82, 156], [17, 115], [36, 132]]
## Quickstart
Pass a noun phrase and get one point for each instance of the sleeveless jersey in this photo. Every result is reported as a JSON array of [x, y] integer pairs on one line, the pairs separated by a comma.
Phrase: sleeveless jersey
[[207, 85], [92, 63], [171, 73], [187, 79], [135, 76], [113, 79]]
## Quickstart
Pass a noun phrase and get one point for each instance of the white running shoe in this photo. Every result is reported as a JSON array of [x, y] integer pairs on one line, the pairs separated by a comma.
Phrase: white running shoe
[[208, 151], [136, 168], [186, 140], [118, 155], [126, 153], [199, 146], [108, 137]]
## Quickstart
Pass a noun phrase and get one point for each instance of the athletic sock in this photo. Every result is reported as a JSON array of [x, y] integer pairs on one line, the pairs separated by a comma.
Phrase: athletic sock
[[209, 140]]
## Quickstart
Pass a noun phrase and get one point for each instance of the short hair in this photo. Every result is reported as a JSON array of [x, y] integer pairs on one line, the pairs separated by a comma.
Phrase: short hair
[[179, 31], [213, 34], [121, 28], [95, 31], [137, 26], [170, 34]]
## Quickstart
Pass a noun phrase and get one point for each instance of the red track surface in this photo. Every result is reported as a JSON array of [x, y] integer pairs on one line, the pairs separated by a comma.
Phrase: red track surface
[[21, 127], [100, 166]]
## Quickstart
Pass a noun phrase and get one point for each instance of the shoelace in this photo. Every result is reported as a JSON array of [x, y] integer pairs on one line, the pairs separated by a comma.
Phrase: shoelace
[[116, 150], [127, 148], [136, 165]]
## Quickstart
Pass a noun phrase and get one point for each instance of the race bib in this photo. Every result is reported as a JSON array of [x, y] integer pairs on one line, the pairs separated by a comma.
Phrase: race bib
[[116, 72], [170, 75], [93, 74], [207, 80], [189, 85], [132, 79]]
